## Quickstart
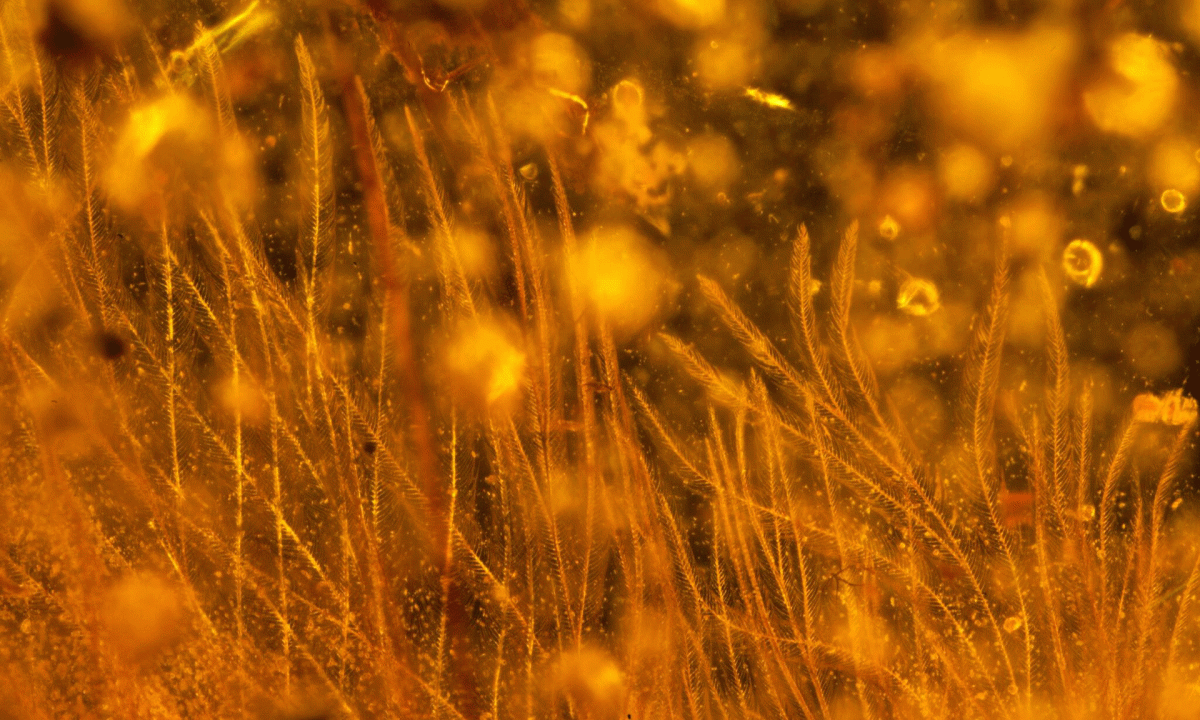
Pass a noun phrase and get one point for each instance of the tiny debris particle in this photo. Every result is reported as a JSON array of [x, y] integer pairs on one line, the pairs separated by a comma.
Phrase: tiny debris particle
[[369, 447], [110, 345], [769, 99]]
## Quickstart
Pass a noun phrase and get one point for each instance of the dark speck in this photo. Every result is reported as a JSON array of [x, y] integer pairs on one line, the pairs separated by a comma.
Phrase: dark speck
[[59, 37], [110, 345], [370, 446]]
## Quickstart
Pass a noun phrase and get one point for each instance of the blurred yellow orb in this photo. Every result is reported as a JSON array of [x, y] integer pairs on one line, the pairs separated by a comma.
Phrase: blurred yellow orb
[[622, 279], [1141, 97], [966, 173], [726, 63], [713, 161], [691, 13], [889, 229], [1172, 165], [1037, 224], [557, 61], [171, 136], [1000, 89], [487, 364], [1153, 349]]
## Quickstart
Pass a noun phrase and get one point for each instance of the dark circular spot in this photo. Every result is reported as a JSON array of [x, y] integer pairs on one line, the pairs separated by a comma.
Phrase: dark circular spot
[[110, 345], [370, 446], [60, 38]]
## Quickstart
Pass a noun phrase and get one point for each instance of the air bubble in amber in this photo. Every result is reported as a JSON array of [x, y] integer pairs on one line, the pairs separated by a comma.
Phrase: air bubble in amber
[[918, 297], [1173, 201], [1082, 262], [889, 229]]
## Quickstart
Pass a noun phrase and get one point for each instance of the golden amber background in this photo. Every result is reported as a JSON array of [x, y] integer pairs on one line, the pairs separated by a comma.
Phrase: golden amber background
[[599, 359]]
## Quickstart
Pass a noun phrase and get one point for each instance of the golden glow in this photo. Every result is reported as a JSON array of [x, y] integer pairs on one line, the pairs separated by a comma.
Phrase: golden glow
[[476, 251], [487, 364], [142, 614], [621, 278], [558, 62], [495, 360], [1173, 165], [713, 161], [726, 63], [1037, 226], [1140, 101], [1001, 89], [690, 13], [592, 680], [170, 138], [889, 229]]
